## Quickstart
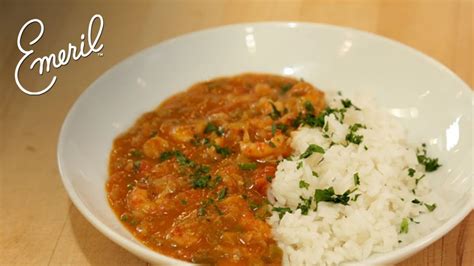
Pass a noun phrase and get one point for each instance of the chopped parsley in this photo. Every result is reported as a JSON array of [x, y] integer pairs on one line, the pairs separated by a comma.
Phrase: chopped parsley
[[204, 204], [218, 210], [404, 226], [356, 197], [222, 150], [285, 88], [180, 157], [431, 207], [222, 194], [303, 184], [416, 201], [275, 114], [201, 177], [274, 129], [356, 179], [312, 148], [183, 201], [210, 127], [431, 164], [271, 144], [312, 120], [299, 165], [352, 136], [309, 107], [315, 174], [166, 155], [253, 205], [136, 165], [269, 178], [217, 180], [201, 181], [281, 211], [247, 166], [418, 179], [347, 103], [305, 205], [136, 153], [325, 129], [282, 127], [183, 160], [128, 219], [328, 195], [411, 172]]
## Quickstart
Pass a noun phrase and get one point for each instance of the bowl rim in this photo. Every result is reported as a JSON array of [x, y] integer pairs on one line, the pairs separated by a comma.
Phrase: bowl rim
[[144, 252]]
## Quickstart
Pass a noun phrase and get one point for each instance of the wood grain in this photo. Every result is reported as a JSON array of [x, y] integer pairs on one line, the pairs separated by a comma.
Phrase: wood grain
[[39, 225]]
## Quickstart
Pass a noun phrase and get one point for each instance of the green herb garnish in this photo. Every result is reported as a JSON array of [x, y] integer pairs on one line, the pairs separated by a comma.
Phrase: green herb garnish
[[309, 107], [418, 179], [303, 184], [275, 114], [431, 207], [204, 204], [180, 157], [282, 127], [210, 127], [253, 205], [201, 181], [431, 164], [299, 165], [247, 166], [328, 195], [222, 194], [305, 205], [136, 153], [416, 201], [411, 172], [285, 88], [281, 211], [136, 165], [348, 103], [312, 120], [312, 148], [201, 177], [404, 226], [222, 150], [352, 136], [356, 179]]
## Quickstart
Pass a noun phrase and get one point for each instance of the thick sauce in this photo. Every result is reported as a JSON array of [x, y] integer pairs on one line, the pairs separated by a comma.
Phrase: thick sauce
[[190, 178]]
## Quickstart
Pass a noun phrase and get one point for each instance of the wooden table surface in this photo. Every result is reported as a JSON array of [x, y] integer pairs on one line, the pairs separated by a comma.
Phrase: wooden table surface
[[38, 223]]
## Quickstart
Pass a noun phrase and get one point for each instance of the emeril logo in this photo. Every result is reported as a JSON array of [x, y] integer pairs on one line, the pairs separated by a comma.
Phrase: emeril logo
[[60, 59]]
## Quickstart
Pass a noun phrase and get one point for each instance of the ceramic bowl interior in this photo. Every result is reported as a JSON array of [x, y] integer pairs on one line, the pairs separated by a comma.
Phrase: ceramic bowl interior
[[432, 102]]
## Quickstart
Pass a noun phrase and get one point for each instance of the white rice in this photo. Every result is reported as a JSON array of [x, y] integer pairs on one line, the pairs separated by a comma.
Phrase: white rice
[[337, 233]]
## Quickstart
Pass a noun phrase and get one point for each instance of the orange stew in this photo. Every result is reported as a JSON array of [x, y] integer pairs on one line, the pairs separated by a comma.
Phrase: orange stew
[[190, 178]]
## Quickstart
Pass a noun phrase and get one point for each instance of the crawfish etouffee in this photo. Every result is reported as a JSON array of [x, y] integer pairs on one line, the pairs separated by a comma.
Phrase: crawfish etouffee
[[190, 178]]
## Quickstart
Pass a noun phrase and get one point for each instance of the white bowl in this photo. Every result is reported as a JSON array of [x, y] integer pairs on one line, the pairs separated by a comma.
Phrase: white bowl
[[432, 102]]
